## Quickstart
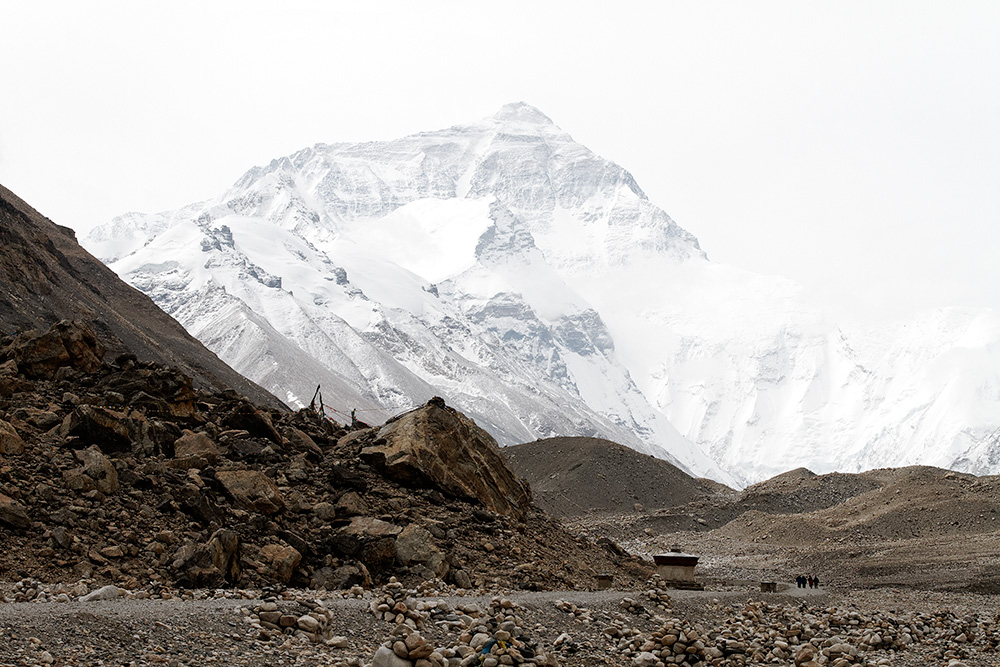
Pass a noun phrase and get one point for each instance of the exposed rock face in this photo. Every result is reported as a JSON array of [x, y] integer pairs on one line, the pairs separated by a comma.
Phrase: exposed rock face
[[438, 445]]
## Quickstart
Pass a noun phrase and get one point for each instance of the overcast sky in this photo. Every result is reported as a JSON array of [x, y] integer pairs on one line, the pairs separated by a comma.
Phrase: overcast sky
[[851, 146]]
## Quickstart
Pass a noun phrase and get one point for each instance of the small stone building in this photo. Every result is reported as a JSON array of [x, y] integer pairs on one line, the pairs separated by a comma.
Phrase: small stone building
[[676, 568]]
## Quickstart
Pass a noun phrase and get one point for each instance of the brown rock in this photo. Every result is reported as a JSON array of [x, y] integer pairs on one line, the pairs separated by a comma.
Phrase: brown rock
[[108, 429], [10, 442], [194, 450], [439, 445], [12, 513], [351, 504], [366, 526], [257, 423], [224, 550], [77, 480], [212, 563], [66, 343], [97, 467], [301, 441], [282, 561], [415, 546], [252, 490]]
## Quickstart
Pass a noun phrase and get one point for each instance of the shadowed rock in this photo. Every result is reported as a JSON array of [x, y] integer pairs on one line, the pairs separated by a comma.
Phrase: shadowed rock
[[438, 445], [66, 343], [252, 490]]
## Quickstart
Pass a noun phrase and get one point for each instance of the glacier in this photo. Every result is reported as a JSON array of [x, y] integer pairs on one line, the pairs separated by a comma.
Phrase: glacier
[[530, 282]]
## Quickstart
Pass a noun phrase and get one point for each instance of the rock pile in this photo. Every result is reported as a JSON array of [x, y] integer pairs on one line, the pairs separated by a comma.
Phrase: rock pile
[[477, 637], [762, 633], [396, 605], [307, 619], [126, 473]]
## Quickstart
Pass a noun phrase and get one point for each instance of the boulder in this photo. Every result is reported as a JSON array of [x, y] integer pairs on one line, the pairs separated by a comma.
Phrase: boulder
[[194, 450], [300, 441], [252, 490], [66, 343], [370, 527], [415, 548], [97, 467], [438, 445], [211, 564], [13, 513], [114, 432], [108, 592], [281, 561], [342, 577], [10, 442], [384, 657], [245, 417], [351, 504]]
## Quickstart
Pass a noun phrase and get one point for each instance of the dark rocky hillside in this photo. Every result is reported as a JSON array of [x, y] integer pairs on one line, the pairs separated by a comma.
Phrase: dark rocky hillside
[[46, 276], [124, 472], [574, 476]]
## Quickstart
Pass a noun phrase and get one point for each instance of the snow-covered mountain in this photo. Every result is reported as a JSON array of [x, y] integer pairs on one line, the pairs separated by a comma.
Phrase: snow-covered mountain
[[533, 284]]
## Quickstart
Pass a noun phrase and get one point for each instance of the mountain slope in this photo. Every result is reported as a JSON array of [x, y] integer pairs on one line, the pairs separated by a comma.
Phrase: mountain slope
[[576, 476], [47, 276], [533, 284]]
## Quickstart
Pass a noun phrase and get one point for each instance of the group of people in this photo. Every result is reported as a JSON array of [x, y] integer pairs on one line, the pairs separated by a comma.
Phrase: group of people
[[803, 581]]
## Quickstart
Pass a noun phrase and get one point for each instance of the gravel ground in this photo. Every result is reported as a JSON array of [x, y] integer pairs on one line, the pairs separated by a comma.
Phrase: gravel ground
[[215, 631]]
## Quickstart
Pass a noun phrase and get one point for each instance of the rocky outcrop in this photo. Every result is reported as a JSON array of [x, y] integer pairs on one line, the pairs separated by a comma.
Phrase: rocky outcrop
[[438, 445], [69, 344]]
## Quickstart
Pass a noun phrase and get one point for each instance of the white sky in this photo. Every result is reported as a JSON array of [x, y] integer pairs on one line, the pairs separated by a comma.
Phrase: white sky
[[851, 146]]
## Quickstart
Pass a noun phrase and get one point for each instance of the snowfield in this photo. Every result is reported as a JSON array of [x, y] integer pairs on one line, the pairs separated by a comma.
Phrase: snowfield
[[533, 285]]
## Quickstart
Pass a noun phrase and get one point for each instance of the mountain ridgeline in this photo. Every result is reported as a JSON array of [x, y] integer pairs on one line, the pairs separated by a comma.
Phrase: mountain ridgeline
[[532, 283]]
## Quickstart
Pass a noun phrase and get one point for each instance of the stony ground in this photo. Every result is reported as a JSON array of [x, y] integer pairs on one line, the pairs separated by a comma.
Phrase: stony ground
[[572, 627]]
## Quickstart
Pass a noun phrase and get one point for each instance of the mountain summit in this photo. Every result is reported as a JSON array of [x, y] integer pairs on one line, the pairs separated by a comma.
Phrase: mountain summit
[[532, 283], [521, 112]]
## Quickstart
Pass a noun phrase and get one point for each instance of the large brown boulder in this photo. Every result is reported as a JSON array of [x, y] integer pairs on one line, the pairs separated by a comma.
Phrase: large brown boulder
[[440, 446], [66, 343]]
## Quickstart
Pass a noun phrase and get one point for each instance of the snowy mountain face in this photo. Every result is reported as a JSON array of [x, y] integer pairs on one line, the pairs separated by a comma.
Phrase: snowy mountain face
[[533, 285]]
